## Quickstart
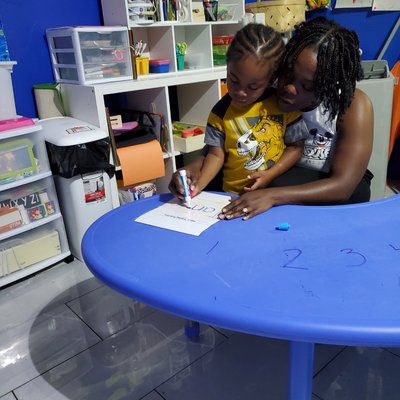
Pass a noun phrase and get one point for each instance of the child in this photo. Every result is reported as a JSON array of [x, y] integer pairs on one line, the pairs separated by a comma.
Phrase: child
[[246, 130]]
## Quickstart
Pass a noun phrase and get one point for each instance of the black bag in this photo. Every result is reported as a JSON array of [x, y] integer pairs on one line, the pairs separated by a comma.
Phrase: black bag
[[143, 133], [69, 161]]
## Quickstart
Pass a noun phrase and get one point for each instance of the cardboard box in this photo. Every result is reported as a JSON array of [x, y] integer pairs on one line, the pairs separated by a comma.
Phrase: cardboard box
[[30, 252], [10, 218], [191, 143]]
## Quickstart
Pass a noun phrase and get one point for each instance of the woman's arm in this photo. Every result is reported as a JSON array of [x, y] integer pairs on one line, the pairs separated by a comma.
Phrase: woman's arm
[[289, 157], [352, 153]]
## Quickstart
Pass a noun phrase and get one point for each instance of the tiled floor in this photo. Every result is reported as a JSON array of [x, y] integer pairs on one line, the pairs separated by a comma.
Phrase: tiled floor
[[63, 335]]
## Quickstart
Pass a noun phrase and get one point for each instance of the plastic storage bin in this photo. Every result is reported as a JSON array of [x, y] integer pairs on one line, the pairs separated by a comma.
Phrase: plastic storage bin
[[220, 47], [78, 161], [159, 66], [87, 55]]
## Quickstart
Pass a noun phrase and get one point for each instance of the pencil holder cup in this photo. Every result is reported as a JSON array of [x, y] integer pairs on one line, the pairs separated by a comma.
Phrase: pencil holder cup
[[142, 65], [180, 60]]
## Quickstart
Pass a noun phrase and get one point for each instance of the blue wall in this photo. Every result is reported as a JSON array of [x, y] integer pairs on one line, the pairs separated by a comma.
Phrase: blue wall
[[25, 23], [373, 29]]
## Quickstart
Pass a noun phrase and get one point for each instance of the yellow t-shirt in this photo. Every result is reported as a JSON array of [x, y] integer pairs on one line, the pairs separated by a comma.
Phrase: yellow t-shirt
[[253, 136]]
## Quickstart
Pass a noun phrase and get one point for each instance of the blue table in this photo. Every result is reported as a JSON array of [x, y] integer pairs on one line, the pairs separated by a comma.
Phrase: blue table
[[333, 277]]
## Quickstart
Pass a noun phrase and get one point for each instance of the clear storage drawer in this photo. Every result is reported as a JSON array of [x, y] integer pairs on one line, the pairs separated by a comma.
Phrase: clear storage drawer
[[87, 55]]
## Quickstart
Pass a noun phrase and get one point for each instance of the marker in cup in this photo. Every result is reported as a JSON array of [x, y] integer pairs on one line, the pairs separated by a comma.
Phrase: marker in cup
[[186, 190]]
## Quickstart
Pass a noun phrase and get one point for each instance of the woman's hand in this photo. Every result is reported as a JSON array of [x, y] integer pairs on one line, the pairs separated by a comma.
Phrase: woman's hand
[[248, 205]]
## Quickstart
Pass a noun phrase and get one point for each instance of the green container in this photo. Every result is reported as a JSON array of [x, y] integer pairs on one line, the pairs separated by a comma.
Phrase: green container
[[219, 59], [180, 60]]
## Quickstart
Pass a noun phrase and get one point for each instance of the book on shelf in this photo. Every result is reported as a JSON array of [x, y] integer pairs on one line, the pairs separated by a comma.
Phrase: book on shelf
[[31, 200], [10, 218]]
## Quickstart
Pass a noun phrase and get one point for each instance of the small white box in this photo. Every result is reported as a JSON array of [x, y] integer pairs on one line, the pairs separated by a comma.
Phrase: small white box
[[88, 55], [191, 143]]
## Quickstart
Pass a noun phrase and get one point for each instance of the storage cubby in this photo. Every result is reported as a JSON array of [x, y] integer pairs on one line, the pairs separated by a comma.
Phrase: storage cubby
[[195, 109], [20, 153], [197, 38], [32, 232]]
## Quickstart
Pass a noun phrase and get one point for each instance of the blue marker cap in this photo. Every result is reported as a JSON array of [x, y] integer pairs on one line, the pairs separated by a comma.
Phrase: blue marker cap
[[284, 226]]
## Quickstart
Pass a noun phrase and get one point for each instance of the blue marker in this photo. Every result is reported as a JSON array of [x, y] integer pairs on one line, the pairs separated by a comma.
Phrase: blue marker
[[284, 226], [186, 190]]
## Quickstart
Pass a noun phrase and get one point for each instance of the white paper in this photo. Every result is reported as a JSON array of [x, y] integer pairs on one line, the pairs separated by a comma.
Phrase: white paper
[[353, 3], [386, 5], [174, 216]]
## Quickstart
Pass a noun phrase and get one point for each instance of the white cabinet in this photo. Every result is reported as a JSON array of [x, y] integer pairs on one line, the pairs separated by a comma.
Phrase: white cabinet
[[32, 232]]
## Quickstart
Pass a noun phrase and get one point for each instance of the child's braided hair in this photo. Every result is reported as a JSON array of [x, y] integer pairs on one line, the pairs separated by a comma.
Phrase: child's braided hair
[[257, 40]]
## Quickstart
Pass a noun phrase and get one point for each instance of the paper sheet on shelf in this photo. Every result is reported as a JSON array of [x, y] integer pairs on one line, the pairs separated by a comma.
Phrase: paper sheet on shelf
[[353, 3], [141, 162], [386, 5], [177, 217]]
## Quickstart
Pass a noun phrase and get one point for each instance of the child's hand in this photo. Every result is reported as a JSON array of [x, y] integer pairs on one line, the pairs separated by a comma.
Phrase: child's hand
[[176, 186], [261, 180]]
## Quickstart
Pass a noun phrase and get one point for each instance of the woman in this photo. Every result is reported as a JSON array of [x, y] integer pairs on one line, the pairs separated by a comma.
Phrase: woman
[[318, 76]]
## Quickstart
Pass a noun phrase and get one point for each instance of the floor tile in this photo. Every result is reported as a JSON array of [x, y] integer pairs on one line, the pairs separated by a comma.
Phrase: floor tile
[[107, 312], [36, 346], [394, 350], [10, 396], [151, 396], [243, 367], [128, 365], [323, 354], [23, 300], [360, 373]]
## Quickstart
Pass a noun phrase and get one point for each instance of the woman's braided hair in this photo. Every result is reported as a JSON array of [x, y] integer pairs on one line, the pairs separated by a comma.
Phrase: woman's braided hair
[[257, 40], [339, 62]]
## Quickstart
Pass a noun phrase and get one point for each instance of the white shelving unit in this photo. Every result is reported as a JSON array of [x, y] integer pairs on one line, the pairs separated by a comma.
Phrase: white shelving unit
[[180, 95], [119, 12], [38, 181]]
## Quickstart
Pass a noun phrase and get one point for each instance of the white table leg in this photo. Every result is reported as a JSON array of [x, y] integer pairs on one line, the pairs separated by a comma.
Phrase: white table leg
[[301, 370]]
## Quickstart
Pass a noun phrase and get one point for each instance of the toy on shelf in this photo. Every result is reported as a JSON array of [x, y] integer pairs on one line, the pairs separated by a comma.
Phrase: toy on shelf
[[186, 130], [15, 123], [187, 137]]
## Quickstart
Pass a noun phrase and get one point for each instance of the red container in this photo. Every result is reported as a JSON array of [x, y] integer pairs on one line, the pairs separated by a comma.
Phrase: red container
[[226, 39], [159, 66]]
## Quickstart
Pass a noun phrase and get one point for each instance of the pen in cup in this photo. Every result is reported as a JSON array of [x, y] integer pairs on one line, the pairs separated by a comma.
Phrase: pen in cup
[[186, 190]]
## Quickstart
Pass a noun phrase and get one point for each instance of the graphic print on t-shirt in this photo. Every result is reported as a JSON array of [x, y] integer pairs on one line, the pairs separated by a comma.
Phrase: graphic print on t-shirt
[[261, 145], [317, 147]]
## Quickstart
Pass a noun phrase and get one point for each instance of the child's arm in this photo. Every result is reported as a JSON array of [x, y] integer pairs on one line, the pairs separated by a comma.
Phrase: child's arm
[[213, 162], [289, 157]]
